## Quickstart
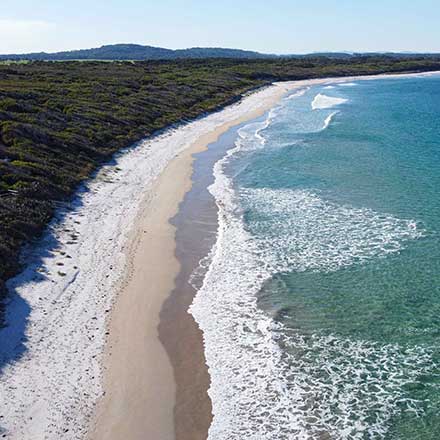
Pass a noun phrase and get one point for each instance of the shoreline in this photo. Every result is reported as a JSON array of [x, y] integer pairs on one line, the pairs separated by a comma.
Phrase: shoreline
[[187, 422], [196, 233], [227, 305], [59, 308], [144, 407]]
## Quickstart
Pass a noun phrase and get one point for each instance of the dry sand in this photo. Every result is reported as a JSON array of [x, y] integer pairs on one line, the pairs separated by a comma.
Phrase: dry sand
[[52, 346], [139, 382]]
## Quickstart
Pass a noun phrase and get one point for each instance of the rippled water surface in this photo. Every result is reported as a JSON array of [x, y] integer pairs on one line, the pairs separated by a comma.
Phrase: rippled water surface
[[321, 306]]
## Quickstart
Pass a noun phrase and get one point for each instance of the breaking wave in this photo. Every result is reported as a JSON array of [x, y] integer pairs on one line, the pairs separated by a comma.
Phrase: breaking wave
[[348, 84], [267, 381], [322, 101]]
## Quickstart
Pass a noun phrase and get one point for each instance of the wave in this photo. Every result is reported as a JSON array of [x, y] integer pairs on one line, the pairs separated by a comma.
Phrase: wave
[[258, 390], [328, 119], [300, 92], [348, 84], [322, 101], [51, 349], [255, 130], [260, 127], [297, 230]]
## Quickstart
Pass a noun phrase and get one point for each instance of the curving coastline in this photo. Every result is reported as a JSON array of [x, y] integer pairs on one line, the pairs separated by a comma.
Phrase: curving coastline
[[253, 388], [139, 395], [51, 371]]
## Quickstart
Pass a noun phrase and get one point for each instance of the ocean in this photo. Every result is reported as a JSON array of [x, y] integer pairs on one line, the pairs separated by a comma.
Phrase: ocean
[[320, 305]]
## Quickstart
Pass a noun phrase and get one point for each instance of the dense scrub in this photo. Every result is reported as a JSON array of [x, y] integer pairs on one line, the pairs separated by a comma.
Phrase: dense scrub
[[60, 120]]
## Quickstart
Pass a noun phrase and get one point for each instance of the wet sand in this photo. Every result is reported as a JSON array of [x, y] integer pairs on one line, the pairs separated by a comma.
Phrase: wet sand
[[140, 400], [57, 359], [196, 229]]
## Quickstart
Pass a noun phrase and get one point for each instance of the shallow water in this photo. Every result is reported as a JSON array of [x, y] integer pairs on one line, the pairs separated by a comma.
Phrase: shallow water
[[320, 308]]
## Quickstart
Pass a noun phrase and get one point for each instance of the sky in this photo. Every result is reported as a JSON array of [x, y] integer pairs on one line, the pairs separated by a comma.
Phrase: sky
[[270, 26]]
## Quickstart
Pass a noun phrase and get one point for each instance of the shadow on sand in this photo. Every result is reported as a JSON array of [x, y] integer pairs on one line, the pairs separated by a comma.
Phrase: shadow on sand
[[16, 309]]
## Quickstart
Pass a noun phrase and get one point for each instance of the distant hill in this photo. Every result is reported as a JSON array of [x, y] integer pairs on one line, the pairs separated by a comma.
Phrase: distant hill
[[137, 52]]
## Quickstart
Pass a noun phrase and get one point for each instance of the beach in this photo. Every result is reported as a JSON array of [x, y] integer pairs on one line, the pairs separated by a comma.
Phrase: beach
[[177, 378], [314, 233], [91, 350], [144, 407], [60, 352]]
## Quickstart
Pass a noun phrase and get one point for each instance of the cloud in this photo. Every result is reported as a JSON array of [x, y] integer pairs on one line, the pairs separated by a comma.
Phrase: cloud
[[19, 36]]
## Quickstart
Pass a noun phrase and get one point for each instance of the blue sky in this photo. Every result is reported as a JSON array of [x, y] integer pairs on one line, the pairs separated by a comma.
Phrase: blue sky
[[277, 26]]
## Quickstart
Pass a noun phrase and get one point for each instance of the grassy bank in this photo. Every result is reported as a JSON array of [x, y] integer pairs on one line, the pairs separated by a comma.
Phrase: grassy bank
[[60, 121]]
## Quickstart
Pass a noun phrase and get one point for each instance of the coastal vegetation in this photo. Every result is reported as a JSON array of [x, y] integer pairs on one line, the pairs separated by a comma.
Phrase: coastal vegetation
[[60, 120]]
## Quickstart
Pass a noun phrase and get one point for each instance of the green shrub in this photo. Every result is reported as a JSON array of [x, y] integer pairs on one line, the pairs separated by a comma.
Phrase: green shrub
[[59, 121]]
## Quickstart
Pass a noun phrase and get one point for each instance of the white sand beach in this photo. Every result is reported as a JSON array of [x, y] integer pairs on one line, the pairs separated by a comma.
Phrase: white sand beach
[[80, 356], [54, 368]]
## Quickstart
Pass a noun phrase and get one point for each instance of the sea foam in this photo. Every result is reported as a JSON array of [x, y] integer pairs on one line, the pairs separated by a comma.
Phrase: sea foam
[[308, 389], [322, 101], [300, 92], [51, 348], [348, 84], [328, 120]]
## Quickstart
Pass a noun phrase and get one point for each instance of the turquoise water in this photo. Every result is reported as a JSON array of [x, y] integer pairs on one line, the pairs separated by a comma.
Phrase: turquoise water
[[340, 200]]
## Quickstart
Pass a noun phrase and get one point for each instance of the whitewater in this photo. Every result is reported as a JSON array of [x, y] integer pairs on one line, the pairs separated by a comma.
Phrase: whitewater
[[52, 345], [268, 380]]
